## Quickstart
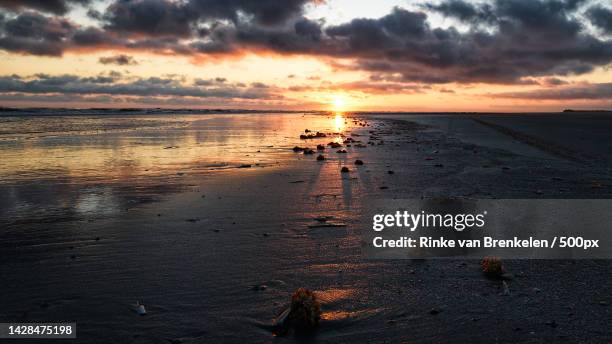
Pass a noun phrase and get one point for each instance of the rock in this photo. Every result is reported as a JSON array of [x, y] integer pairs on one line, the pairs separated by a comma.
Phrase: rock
[[297, 149], [434, 311], [344, 169], [383, 187], [312, 136], [341, 151], [320, 158], [308, 151], [358, 162], [438, 165], [320, 147], [140, 309], [334, 145], [259, 287], [551, 323], [245, 166], [390, 172]]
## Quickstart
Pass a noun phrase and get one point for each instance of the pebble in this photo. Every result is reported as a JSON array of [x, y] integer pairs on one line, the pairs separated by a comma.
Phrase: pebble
[[551, 323]]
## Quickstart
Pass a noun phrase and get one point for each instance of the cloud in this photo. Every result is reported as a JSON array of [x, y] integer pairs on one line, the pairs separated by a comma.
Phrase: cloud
[[502, 41], [151, 18], [51, 6], [462, 10], [113, 84], [600, 91], [35, 34], [181, 19], [120, 60], [602, 18]]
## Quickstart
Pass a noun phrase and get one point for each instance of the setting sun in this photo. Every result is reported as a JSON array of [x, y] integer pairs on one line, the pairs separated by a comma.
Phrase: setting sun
[[338, 103]]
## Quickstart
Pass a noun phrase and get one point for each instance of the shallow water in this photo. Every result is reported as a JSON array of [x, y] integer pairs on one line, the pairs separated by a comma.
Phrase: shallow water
[[110, 147], [83, 164]]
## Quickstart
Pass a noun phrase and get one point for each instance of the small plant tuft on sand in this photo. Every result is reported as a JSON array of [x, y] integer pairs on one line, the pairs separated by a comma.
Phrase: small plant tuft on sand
[[492, 267], [305, 310]]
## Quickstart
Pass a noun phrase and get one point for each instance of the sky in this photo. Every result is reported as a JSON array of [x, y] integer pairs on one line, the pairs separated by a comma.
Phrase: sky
[[337, 55]]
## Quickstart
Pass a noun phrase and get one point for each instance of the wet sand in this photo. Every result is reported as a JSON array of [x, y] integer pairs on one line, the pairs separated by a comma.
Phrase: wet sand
[[99, 214]]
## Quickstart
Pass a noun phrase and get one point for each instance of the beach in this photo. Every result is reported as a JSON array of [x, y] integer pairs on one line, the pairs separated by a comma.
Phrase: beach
[[213, 220]]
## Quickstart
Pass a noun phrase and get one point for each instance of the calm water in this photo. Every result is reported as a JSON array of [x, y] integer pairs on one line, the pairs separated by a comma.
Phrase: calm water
[[107, 148], [58, 168]]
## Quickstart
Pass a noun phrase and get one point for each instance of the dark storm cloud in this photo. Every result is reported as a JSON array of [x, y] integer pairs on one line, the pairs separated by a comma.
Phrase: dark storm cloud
[[602, 91], [263, 12], [152, 17], [51, 6], [462, 10], [503, 41], [35, 34], [173, 18], [120, 60], [113, 85], [602, 18], [524, 39]]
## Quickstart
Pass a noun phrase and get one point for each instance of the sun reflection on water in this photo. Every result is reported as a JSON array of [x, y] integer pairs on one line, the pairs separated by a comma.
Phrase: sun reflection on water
[[339, 122]]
